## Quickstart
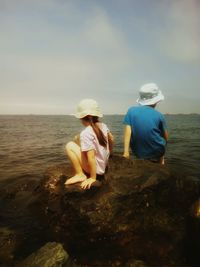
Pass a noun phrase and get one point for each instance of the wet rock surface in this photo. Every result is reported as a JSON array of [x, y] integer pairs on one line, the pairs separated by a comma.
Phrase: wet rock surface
[[21, 232], [142, 211], [50, 255], [135, 263], [143, 215], [8, 244]]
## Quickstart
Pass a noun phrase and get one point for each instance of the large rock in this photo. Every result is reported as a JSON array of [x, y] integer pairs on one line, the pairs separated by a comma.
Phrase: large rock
[[140, 212], [8, 243], [50, 255], [135, 263], [20, 231]]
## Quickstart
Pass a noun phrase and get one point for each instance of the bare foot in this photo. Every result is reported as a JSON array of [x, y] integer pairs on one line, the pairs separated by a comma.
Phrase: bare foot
[[76, 179]]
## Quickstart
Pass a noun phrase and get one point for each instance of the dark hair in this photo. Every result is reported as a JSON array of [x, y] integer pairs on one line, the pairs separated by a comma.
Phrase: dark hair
[[99, 134]]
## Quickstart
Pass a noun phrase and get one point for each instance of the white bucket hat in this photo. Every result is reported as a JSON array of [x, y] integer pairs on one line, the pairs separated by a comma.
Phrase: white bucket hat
[[149, 94], [88, 107]]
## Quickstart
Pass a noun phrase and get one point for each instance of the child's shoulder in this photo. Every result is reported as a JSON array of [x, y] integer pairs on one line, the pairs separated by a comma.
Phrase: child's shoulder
[[134, 109], [86, 131], [158, 113], [104, 127], [103, 124]]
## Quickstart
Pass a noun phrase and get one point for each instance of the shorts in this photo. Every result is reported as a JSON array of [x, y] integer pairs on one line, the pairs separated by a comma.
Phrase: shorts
[[155, 160]]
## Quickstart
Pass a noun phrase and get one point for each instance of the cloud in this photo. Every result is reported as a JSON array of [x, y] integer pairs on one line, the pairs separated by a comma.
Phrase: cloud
[[55, 52], [180, 38], [48, 61]]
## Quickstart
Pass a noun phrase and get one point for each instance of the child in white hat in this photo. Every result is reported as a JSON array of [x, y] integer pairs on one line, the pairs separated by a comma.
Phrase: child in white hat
[[90, 152], [146, 131]]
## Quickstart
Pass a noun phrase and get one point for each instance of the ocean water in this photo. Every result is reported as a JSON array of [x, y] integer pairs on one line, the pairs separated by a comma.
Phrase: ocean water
[[29, 144]]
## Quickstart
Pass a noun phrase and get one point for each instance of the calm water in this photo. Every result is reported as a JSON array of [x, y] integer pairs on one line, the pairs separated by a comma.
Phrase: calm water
[[29, 144]]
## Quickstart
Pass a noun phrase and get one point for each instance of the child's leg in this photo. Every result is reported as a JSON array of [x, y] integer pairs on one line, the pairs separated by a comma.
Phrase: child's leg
[[74, 154]]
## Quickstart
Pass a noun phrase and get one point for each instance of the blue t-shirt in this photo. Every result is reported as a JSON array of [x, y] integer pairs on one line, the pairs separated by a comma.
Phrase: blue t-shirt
[[148, 126]]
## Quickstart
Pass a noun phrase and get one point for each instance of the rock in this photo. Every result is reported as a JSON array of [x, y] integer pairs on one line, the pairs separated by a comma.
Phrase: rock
[[20, 232], [135, 263], [139, 212], [8, 244], [50, 255], [192, 241]]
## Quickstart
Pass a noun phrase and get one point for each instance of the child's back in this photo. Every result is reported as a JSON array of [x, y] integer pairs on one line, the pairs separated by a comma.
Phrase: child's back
[[89, 141], [148, 127]]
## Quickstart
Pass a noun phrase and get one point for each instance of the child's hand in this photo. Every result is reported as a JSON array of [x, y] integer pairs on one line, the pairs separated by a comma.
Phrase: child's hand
[[87, 183]]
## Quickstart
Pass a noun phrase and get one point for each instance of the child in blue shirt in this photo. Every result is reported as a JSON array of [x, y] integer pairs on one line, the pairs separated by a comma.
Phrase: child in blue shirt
[[146, 130]]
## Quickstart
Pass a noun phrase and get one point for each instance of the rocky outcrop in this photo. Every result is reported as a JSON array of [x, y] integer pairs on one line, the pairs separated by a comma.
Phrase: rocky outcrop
[[192, 241], [8, 243], [50, 255], [140, 212], [135, 263]]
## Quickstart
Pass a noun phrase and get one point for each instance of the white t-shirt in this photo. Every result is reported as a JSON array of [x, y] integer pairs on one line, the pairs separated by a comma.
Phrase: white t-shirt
[[89, 141]]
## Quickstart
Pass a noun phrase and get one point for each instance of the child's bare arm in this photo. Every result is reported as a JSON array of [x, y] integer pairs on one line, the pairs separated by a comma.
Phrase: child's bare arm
[[92, 163], [92, 167], [127, 138], [166, 135], [110, 142]]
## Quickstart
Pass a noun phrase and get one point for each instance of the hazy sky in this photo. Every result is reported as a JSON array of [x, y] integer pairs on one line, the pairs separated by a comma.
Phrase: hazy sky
[[53, 53]]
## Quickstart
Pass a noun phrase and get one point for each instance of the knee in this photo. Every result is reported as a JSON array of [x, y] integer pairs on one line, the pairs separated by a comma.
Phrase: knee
[[69, 146]]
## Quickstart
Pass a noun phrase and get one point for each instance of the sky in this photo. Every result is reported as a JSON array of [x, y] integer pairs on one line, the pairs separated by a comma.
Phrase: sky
[[53, 53]]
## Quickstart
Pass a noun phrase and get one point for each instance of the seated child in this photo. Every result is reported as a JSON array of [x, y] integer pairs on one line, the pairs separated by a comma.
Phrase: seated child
[[146, 131], [89, 153]]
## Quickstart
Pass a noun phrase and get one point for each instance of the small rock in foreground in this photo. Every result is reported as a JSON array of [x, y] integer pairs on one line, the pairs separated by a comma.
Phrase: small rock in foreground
[[50, 255]]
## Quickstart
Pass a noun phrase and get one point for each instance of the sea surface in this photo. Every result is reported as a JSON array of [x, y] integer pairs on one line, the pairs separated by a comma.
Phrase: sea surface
[[31, 143]]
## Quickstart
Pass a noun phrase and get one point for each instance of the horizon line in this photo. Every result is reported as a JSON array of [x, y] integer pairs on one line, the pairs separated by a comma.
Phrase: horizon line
[[106, 114]]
